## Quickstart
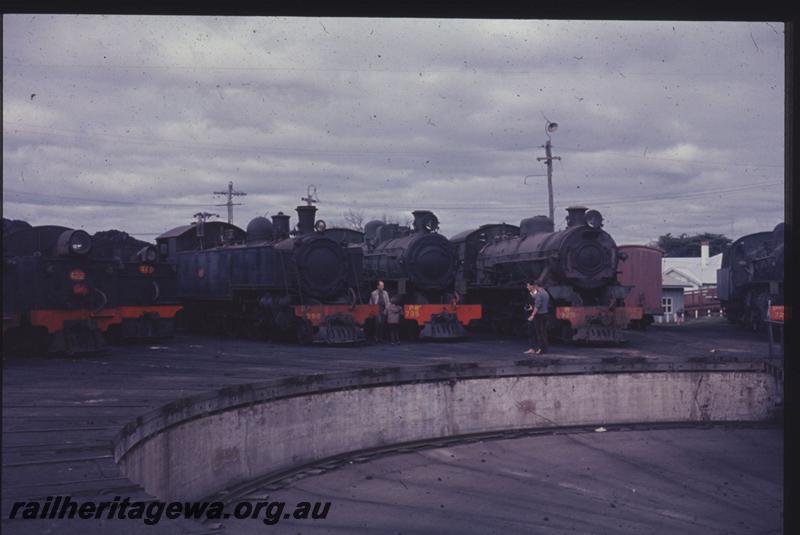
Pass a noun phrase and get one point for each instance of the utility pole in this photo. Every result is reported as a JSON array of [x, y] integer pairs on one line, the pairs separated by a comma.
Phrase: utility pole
[[311, 195], [230, 204], [549, 128]]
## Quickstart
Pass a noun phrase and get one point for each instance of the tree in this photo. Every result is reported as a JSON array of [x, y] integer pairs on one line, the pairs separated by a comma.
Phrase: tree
[[689, 246], [354, 219], [402, 220]]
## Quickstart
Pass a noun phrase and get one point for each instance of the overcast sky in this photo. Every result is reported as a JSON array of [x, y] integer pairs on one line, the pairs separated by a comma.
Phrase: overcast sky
[[132, 122]]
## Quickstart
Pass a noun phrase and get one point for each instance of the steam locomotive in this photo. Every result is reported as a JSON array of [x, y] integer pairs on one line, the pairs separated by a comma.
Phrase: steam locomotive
[[418, 267], [751, 277], [61, 296], [277, 284], [577, 266]]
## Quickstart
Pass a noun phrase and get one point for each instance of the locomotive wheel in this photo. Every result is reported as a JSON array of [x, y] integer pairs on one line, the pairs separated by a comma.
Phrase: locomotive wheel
[[755, 322], [257, 326], [565, 331], [231, 327], [181, 323], [410, 330], [25, 341], [305, 332], [113, 335], [198, 321]]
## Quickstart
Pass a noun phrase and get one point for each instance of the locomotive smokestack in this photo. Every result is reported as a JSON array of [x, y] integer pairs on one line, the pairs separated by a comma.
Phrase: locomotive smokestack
[[576, 216], [280, 226], [425, 220], [305, 219]]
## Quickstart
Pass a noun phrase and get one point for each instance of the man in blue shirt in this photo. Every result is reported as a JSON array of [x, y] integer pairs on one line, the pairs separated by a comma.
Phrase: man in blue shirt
[[539, 309]]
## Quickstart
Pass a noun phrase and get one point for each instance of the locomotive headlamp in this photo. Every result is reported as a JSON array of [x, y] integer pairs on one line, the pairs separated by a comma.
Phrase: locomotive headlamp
[[594, 219], [147, 254], [80, 243], [74, 242], [320, 226], [425, 221]]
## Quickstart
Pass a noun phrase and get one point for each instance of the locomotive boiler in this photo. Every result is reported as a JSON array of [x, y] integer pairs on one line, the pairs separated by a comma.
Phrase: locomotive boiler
[[418, 267], [277, 284], [577, 266], [751, 277]]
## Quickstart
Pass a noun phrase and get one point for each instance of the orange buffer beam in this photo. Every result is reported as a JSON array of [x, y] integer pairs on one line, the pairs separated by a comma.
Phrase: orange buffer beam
[[164, 311], [580, 316], [778, 313], [317, 313], [422, 313], [54, 320]]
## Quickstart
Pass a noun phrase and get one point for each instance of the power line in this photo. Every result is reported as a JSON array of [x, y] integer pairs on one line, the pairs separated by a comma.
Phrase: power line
[[689, 195], [601, 202], [609, 154], [469, 69], [256, 148], [102, 201], [477, 207]]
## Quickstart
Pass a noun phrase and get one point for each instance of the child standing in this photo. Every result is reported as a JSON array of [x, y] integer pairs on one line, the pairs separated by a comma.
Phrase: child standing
[[393, 319]]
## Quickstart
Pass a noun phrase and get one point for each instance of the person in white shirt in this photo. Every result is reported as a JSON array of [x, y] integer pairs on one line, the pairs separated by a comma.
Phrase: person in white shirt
[[379, 297]]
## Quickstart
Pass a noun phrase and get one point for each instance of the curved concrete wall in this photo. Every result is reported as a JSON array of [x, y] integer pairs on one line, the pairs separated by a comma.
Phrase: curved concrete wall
[[195, 447]]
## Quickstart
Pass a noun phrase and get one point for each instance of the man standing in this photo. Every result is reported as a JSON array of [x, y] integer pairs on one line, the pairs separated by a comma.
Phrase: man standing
[[539, 307], [379, 297]]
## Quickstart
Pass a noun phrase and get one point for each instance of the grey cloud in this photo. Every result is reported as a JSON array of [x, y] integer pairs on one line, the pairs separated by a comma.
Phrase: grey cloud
[[166, 110]]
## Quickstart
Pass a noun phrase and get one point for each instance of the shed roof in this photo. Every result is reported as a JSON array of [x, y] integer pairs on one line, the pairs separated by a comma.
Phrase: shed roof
[[691, 268], [177, 231], [674, 279]]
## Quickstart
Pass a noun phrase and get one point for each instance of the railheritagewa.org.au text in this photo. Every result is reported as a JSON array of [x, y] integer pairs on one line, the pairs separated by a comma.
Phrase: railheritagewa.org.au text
[[152, 512]]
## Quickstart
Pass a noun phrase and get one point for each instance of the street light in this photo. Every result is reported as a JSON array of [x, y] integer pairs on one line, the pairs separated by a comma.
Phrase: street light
[[549, 128]]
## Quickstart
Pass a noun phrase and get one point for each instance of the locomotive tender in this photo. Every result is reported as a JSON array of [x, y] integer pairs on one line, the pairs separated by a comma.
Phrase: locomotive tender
[[577, 266], [418, 266], [277, 284], [751, 277], [59, 296]]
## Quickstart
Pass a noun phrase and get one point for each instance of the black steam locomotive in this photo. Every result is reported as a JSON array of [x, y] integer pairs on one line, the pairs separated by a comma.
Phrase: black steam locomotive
[[751, 277], [577, 266], [418, 266], [59, 295], [277, 284]]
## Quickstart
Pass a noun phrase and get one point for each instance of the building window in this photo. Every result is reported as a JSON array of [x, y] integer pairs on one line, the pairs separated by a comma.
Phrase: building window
[[666, 304]]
